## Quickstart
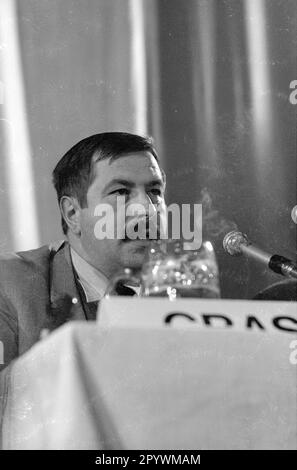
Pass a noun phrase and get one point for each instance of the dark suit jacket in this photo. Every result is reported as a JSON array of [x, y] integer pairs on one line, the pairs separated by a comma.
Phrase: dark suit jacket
[[37, 289]]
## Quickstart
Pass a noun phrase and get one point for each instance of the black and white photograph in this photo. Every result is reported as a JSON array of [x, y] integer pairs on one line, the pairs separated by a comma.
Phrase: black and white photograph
[[148, 216]]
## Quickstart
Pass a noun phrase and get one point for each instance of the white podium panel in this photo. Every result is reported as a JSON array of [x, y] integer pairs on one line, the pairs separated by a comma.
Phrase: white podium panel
[[203, 314]]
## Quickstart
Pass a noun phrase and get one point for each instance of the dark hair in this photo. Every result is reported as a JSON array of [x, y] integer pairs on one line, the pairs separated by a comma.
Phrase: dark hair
[[73, 174]]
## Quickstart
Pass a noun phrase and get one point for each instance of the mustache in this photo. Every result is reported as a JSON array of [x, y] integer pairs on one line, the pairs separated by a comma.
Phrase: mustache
[[144, 231]]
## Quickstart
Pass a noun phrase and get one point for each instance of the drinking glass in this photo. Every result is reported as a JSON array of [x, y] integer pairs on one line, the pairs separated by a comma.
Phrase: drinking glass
[[173, 269]]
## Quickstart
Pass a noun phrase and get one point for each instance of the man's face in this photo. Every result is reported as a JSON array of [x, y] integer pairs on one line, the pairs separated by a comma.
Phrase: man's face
[[132, 179]]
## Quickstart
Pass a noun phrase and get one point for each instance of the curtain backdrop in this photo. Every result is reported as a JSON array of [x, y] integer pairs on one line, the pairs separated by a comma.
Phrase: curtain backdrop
[[209, 79], [228, 127]]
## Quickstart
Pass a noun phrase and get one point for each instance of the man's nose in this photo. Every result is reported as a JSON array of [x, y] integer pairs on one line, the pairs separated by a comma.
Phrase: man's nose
[[144, 202]]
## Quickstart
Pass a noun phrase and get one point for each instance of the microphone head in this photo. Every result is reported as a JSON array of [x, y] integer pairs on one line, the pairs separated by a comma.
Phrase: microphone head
[[232, 242]]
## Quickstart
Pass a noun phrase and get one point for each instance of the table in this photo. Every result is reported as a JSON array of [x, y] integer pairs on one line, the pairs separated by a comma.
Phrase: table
[[92, 387]]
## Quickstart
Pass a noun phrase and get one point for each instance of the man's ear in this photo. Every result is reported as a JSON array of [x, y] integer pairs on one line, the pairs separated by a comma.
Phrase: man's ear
[[70, 210]]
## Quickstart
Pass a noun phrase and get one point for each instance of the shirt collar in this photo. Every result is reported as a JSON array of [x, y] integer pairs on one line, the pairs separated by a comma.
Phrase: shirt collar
[[93, 282]]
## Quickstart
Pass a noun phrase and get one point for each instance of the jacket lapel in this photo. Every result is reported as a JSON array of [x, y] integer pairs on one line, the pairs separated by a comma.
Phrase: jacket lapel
[[65, 301]]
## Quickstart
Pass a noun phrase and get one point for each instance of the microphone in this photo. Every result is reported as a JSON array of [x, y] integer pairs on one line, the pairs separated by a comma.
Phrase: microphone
[[237, 243]]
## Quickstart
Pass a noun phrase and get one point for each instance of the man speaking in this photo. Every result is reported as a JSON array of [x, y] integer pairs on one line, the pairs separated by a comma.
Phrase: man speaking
[[46, 287]]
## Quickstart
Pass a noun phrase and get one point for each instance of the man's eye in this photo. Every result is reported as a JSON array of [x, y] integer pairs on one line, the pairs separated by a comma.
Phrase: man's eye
[[156, 192], [121, 192]]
